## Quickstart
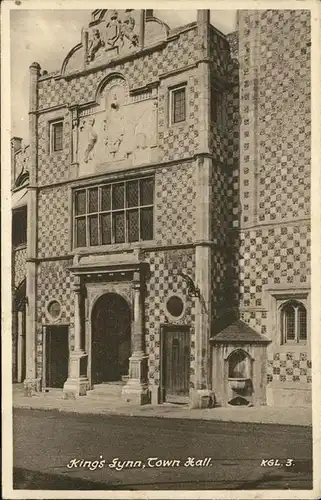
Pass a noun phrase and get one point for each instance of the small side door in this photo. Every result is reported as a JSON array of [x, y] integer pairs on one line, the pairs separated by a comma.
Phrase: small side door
[[176, 363]]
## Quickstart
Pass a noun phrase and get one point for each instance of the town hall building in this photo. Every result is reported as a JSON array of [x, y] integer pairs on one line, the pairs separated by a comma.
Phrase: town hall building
[[161, 213]]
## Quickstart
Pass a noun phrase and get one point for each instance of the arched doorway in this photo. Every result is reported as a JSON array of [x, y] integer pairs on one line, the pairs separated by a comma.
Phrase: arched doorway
[[111, 338]]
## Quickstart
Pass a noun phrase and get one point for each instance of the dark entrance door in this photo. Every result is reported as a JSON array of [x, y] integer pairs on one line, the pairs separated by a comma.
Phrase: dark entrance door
[[57, 356], [176, 363], [111, 338]]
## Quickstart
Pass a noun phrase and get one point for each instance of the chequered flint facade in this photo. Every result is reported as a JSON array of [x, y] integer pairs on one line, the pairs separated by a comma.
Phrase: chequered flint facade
[[248, 121]]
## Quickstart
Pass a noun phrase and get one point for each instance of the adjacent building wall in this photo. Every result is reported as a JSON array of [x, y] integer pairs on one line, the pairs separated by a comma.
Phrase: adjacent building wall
[[274, 61]]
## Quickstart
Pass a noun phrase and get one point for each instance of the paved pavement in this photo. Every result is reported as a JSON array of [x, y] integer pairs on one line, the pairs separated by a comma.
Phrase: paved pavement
[[95, 404], [54, 450]]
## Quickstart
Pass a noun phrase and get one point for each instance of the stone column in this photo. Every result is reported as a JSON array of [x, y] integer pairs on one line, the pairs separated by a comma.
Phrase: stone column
[[74, 165], [199, 395], [203, 22], [32, 382], [136, 390], [77, 383], [14, 337], [20, 345], [142, 28]]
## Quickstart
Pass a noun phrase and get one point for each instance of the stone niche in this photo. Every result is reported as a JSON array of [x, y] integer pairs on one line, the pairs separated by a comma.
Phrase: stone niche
[[119, 131], [239, 366]]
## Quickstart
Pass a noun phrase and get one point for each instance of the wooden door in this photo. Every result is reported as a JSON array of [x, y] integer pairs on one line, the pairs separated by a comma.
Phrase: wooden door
[[111, 339], [176, 363], [57, 356]]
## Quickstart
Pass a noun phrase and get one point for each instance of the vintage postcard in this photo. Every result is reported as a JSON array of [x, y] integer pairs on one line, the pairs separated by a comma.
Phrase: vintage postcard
[[161, 249]]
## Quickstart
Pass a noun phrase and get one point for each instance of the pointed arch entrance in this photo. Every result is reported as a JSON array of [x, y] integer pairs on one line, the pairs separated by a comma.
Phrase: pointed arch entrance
[[111, 338]]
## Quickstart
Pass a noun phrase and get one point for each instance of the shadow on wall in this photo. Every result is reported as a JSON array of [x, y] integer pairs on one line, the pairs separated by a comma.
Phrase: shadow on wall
[[226, 309]]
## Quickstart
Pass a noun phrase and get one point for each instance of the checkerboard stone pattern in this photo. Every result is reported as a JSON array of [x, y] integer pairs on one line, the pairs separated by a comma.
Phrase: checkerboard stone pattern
[[274, 181], [163, 282], [54, 167], [175, 204], [220, 56], [180, 52], [220, 254], [233, 132], [224, 138], [53, 222], [273, 256], [19, 266], [277, 255], [285, 366], [181, 140], [220, 192], [176, 143], [219, 52], [54, 281], [218, 142], [289, 367], [275, 108]]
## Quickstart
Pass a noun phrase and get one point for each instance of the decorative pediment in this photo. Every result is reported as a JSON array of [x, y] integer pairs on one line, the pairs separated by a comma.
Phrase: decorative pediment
[[111, 34]]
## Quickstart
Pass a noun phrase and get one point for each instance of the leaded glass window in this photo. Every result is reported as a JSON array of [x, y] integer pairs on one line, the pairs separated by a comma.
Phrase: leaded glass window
[[294, 323], [114, 213], [178, 104], [56, 136]]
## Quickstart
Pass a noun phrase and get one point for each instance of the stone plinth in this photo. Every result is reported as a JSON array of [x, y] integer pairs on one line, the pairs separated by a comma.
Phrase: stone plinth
[[136, 390], [31, 386], [77, 383]]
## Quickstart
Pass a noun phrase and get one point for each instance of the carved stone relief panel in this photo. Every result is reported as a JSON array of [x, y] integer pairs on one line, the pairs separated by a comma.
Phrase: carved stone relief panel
[[117, 33], [120, 130]]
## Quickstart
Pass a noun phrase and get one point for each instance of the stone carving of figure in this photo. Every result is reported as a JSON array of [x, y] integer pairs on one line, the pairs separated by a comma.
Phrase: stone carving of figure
[[92, 139], [140, 154], [127, 31], [112, 29], [95, 44], [114, 125]]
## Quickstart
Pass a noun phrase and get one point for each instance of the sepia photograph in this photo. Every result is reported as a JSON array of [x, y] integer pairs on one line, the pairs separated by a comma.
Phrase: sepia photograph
[[158, 336]]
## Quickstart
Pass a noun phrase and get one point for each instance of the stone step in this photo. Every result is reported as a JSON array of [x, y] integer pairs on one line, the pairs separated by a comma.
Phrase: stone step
[[108, 389]]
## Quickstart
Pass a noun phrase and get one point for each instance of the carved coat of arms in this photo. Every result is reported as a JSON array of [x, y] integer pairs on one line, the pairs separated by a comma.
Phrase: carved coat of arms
[[118, 32]]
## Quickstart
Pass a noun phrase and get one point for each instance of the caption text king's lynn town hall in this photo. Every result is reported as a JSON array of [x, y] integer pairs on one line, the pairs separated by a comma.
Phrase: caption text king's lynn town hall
[[150, 462]]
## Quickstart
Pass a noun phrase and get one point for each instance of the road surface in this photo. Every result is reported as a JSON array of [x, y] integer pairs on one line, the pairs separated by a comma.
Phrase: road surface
[[66, 451]]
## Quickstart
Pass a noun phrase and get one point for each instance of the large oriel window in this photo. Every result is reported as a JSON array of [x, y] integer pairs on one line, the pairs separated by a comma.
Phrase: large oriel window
[[294, 323], [120, 212]]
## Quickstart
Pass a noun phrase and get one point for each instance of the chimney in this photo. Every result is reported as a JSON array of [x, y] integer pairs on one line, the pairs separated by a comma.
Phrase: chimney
[[34, 73], [203, 16], [149, 13], [203, 26]]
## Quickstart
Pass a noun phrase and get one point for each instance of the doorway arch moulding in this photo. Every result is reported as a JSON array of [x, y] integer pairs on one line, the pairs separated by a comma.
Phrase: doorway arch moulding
[[123, 274]]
